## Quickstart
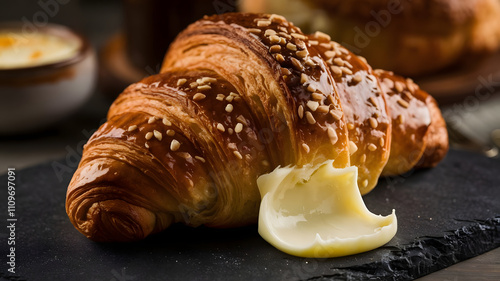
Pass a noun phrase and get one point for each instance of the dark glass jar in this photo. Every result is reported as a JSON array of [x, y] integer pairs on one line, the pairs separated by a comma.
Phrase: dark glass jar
[[150, 25]]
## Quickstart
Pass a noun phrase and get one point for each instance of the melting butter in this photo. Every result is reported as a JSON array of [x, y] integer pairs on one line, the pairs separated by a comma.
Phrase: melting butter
[[318, 211]]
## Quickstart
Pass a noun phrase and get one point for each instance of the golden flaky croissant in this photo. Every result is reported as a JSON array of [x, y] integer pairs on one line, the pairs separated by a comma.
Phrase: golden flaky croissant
[[237, 96]]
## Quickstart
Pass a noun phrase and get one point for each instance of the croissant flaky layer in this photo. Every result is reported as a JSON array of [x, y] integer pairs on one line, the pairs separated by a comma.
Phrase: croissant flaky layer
[[237, 96]]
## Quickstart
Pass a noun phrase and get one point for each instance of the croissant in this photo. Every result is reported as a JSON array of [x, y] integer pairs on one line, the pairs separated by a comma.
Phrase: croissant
[[237, 96]]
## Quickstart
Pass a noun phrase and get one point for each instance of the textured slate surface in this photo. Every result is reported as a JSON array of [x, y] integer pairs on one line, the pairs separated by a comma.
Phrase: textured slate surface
[[445, 215]]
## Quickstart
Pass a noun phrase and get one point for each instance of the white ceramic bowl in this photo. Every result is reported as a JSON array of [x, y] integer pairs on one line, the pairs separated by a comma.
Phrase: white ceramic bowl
[[36, 95]]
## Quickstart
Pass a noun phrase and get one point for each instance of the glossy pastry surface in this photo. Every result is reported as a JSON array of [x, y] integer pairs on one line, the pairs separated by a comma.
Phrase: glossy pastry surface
[[238, 95]]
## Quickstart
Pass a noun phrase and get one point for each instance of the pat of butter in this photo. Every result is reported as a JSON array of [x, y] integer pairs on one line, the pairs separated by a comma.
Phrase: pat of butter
[[318, 211], [18, 49]]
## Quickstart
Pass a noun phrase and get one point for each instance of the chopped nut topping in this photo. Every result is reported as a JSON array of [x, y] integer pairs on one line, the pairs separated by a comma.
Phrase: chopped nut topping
[[336, 114], [229, 108], [254, 30], [311, 88], [242, 120], [166, 122], [298, 36], [400, 119], [303, 78], [306, 148], [181, 82], [275, 48], [317, 96], [352, 148], [285, 71], [330, 54], [300, 111], [323, 108], [149, 135], [331, 99], [277, 18], [151, 120], [310, 62], [263, 23], [407, 95], [362, 159], [175, 145], [327, 46], [339, 61], [332, 135], [238, 128], [373, 122], [280, 58], [310, 118], [220, 127], [403, 103], [198, 96], [132, 128], [158, 135], [209, 80], [269, 32], [357, 78], [200, 159], [170, 133], [302, 54], [372, 147], [296, 63], [220, 97], [313, 105], [398, 86], [346, 70], [373, 101], [412, 87], [204, 87], [365, 183], [321, 35], [291, 47], [336, 70], [237, 154], [274, 39], [285, 35]]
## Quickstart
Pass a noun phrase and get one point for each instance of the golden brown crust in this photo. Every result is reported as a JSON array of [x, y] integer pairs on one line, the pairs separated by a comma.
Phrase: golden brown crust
[[289, 59], [410, 121], [419, 136], [237, 96], [365, 111], [436, 138]]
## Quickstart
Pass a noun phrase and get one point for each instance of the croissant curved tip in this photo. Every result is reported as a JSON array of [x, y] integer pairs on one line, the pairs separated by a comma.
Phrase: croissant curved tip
[[116, 221]]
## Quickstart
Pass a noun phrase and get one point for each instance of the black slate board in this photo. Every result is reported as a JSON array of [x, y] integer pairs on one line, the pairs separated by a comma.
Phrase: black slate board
[[445, 215]]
